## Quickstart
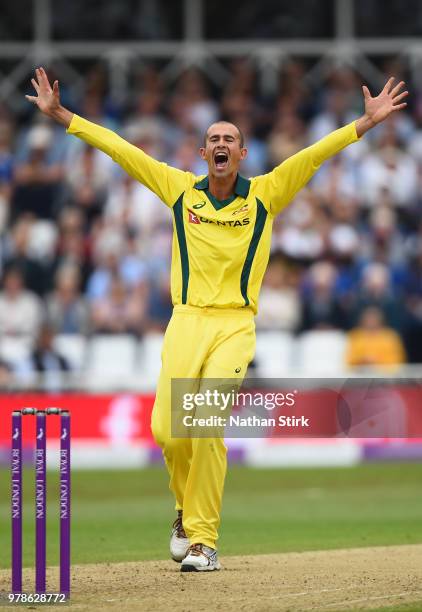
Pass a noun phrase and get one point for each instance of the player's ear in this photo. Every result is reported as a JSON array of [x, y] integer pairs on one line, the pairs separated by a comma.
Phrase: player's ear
[[243, 152], [202, 152]]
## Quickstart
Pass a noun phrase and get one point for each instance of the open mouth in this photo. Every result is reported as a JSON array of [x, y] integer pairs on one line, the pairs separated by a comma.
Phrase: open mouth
[[221, 160]]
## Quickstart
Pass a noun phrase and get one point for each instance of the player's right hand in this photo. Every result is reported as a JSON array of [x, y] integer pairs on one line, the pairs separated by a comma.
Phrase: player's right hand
[[47, 98]]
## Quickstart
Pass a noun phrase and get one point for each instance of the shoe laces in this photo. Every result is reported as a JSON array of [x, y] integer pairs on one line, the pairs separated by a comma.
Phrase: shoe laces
[[178, 525], [196, 550]]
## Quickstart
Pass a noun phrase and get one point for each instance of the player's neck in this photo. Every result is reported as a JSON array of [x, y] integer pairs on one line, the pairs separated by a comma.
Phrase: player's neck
[[222, 187]]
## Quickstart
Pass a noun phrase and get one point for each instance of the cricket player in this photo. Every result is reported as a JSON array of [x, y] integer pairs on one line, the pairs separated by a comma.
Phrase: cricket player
[[221, 244]]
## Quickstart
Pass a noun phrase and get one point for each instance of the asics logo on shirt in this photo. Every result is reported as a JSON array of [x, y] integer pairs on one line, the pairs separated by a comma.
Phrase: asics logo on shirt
[[199, 205]]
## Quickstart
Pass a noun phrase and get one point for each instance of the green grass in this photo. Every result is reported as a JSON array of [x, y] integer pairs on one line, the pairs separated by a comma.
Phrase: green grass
[[125, 515], [411, 607]]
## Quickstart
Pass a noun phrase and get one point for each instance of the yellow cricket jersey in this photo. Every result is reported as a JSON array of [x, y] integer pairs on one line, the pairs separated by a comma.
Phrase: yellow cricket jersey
[[220, 248]]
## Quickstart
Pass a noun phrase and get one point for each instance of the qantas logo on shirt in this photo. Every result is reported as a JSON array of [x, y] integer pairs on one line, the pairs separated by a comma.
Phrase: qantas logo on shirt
[[193, 218]]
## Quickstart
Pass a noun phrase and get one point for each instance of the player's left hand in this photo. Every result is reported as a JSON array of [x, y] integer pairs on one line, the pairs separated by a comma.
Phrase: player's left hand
[[388, 101]]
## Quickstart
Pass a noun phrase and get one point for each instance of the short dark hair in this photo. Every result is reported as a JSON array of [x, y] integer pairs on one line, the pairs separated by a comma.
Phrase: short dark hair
[[239, 131]]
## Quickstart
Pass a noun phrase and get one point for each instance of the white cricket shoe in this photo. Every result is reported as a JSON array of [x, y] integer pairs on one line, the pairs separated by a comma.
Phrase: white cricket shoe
[[179, 543], [200, 558]]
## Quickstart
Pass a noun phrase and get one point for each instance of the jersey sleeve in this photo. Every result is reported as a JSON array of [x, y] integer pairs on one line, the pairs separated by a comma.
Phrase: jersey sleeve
[[279, 186], [166, 182]]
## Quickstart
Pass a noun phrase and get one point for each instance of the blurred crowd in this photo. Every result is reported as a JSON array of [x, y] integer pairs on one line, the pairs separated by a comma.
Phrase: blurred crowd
[[161, 20], [85, 249]]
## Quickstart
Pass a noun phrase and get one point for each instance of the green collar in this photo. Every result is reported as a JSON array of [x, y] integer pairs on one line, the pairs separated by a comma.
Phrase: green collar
[[241, 189]]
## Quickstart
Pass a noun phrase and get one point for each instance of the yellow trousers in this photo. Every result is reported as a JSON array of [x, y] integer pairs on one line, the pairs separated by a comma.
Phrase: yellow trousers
[[200, 343]]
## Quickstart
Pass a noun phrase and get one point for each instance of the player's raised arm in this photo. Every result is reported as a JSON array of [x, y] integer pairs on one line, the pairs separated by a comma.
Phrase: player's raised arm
[[167, 182], [378, 108], [48, 98], [281, 185]]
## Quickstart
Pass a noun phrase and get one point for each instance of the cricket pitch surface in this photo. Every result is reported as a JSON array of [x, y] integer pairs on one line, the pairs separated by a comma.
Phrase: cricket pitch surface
[[338, 580]]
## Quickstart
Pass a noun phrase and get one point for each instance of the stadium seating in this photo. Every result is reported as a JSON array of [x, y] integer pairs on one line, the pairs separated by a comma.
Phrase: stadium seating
[[321, 353], [14, 350], [111, 361], [150, 359], [274, 353], [107, 360], [73, 347]]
